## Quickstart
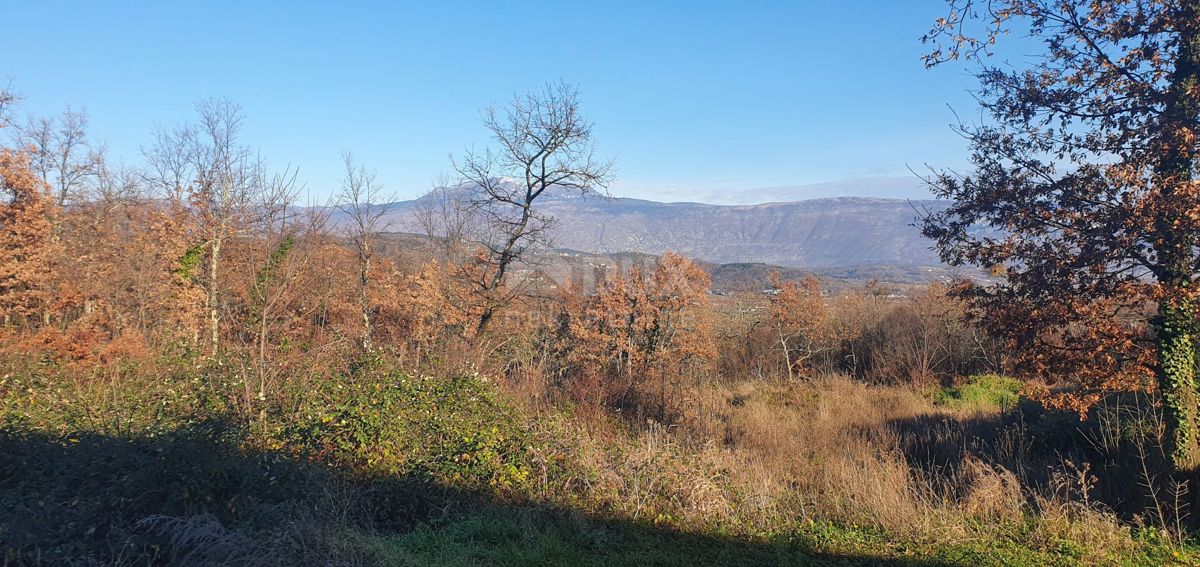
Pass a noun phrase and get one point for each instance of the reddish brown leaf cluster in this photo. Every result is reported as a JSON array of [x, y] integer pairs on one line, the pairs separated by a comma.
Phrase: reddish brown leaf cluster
[[798, 320], [1082, 195], [28, 245], [638, 331]]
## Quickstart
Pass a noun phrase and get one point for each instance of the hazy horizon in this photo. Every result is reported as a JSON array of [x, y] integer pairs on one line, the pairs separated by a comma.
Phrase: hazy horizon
[[895, 188]]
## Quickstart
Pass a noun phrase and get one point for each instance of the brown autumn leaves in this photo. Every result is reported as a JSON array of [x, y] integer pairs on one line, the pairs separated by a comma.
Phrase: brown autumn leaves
[[1086, 156], [108, 278], [115, 276]]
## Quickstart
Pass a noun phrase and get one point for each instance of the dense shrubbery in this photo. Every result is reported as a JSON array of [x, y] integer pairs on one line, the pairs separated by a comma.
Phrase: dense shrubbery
[[92, 465], [451, 430]]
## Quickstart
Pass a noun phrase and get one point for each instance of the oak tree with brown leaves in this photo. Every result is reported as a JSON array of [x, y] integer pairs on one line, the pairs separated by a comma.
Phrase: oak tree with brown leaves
[[27, 242], [640, 330], [797, 317], [1085, 166]]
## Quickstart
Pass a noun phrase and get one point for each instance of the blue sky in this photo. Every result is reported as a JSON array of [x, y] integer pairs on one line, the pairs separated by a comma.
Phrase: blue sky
[[704, 101]]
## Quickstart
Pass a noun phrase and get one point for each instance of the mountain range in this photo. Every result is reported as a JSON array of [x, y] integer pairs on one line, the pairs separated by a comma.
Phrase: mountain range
[[823, 233]]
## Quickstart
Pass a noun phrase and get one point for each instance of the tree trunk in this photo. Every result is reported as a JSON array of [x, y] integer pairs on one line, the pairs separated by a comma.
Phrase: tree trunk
[[364, 300], [214, 313], [485, 318], [507, 257], [263, 335], [1178, 350], [787, 355], [1176, 325]]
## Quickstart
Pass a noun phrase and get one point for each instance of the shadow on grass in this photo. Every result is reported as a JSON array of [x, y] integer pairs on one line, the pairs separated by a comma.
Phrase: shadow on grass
[[1114, 448], [192, 497]]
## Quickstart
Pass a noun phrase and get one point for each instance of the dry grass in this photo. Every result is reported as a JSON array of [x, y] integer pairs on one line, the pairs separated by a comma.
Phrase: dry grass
[[755, 457], [826, 448]]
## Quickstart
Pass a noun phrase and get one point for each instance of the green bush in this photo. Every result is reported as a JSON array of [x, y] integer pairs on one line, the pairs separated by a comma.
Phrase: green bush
[[125, 400], [987, 392], [93, 465], [453, 431]]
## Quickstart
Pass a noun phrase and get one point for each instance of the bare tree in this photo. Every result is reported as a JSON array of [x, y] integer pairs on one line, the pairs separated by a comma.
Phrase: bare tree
[[204, 165], [62, 154], [7, 100], [445, 214], [279, 227], [226, 176], [168, 164], [543, 144], [363, 201], [117, 184]]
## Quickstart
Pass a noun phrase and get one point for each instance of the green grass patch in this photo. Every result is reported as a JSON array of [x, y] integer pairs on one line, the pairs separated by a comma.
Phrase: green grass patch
[[528, 536], [498, 535], [983, 393]]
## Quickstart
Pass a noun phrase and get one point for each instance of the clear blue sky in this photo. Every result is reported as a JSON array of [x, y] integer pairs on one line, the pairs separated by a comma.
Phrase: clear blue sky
[[696, 100]]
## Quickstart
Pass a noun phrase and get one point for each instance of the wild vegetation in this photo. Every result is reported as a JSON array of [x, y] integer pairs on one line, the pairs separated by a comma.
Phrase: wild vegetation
[[196, 370]]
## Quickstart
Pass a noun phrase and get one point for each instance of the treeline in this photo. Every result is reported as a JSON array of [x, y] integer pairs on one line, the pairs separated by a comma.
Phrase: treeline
[[924, 337], [201, 252]]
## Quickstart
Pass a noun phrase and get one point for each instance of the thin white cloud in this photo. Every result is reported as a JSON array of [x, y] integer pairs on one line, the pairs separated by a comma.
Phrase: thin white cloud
[[898, 187]]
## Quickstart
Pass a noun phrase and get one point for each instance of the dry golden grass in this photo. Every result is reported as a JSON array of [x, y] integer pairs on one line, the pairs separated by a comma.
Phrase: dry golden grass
[[752, 457]]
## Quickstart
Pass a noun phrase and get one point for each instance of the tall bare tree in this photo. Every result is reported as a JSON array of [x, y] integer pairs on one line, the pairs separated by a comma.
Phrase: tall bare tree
[[62, 153], [542, 144], [446, 215], [219, 177], [281, 254], [365, 204], [227, 177], [168, 163]]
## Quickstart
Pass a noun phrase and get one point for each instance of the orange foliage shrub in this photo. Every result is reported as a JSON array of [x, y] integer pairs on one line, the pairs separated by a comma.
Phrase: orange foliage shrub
[[27, 242], [416, 311], [129, 268], [638, 336], [797, 319]]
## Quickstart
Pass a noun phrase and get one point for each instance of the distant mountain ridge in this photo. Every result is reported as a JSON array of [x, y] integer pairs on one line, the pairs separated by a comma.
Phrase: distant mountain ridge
[[820, 233], [846, 231]]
